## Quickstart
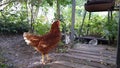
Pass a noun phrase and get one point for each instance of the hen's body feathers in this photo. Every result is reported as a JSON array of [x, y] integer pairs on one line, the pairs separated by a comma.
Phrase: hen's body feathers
[[45, 43]]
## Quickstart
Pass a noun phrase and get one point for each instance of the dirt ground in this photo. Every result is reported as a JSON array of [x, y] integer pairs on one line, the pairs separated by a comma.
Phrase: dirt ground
[[16, 53]]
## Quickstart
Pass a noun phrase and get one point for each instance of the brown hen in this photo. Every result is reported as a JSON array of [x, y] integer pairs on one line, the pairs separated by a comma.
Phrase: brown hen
[[45, 43]]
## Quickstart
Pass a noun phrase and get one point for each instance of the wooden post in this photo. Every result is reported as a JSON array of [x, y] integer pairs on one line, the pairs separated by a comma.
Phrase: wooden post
[[118, 44], [90, 15], [108, 16], [73, 20], [80, 30]]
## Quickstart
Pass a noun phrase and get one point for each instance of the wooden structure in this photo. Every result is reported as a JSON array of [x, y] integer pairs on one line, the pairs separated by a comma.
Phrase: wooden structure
[[99, 5], [118, 45], [103, 5]]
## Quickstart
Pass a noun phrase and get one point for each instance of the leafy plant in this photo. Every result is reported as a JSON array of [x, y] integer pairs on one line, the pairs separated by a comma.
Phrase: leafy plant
[[13, 22], [110, 29], [3, 65], [41, 27]]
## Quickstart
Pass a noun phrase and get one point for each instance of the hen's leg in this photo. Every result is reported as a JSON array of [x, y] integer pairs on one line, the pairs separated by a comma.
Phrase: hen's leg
[[48, 58], [43, 59]]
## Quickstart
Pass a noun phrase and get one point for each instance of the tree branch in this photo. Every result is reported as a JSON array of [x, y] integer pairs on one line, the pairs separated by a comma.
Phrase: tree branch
[[7, 3]]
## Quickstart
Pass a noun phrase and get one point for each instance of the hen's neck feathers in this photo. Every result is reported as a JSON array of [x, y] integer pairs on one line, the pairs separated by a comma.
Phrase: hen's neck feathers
[[55, 30]]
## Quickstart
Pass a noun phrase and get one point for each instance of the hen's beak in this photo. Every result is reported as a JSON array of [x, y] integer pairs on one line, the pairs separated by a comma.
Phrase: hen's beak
[[24, 34]]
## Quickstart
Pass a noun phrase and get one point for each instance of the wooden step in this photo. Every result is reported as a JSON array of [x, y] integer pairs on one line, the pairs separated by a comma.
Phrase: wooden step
[[100, 59], [99, 48], [60, 64], [95, 53], [82, 59], [65, 64]]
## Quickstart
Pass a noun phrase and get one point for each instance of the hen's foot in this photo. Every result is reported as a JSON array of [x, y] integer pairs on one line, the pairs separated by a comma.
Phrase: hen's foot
[[42, 62], [49, 60]]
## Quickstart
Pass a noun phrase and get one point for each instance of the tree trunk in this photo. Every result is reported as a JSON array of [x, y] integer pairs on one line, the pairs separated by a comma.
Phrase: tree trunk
[[32, 20], [27, 11], [30, 16], [58, 10], [73, 21]]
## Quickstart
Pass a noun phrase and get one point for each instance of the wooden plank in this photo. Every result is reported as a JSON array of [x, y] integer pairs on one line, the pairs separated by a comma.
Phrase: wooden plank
[[96, 49], [93, 53], [66, 64], [85, 60], [98, 58], [101, 57]]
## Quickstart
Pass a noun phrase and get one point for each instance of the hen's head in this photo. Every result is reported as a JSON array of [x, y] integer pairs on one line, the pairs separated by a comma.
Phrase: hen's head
[[55, 27], [55, 24], [26, 34], [26, 37]]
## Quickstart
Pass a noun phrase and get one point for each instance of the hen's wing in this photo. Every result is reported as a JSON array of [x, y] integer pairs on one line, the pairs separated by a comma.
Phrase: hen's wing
[[31, 39]]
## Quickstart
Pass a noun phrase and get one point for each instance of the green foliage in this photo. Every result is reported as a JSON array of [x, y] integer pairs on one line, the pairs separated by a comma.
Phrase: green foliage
[[35, 2], [13, 28], [50, 2], [100, 27], [3, 65], [61, 2], [65, 18], [41, 27], [110, 29], [94, 25], [65, 2], [13, 21]]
